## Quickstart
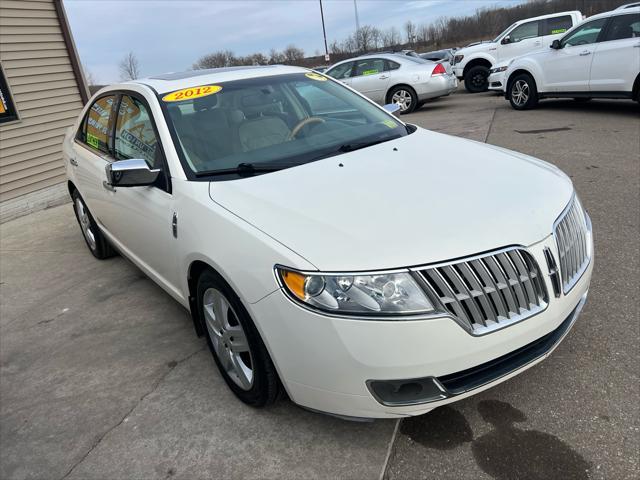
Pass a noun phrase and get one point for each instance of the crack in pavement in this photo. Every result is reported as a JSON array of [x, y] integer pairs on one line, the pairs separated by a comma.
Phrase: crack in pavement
[[172, 366]]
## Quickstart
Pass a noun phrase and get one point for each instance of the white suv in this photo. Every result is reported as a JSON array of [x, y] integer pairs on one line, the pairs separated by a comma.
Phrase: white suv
[[598, 58], [474, 62]]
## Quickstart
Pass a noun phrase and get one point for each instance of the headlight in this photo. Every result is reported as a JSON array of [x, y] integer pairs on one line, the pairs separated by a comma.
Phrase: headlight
[[381, 294], [457, 59], [499, 69]]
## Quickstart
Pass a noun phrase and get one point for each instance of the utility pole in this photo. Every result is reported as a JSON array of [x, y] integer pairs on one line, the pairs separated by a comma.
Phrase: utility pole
[[355, 6], [324, 33]]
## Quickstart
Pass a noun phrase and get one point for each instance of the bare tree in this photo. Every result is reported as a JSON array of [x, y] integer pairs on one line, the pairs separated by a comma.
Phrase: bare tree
[[222, 58], [410, 31], [364, 38], [129, 67], [276, 57], [391, 37], [293, 54], [88, 76]]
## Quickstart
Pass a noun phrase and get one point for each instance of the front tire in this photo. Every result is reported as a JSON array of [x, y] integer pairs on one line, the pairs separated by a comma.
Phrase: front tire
[[96, 242], [476, 79], [235, 343], [405, 97], [523, 93]]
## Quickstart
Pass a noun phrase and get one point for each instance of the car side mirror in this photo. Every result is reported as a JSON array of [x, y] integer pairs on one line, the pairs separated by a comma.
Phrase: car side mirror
[[391, 107], [556, 45], [130, 173], [505, 40]]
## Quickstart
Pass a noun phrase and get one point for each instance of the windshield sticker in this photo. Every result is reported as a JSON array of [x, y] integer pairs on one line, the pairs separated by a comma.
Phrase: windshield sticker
[[390, 123], [93, 141], [189, 93], [316, 76], [373, 71]]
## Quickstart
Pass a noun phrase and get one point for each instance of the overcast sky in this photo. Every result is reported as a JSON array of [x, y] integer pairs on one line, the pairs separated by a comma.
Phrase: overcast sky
[[170, 35]]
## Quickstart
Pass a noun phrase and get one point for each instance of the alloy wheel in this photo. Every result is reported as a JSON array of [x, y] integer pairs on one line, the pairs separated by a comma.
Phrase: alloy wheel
[[520, 92], [479, 80], [85, 224], [228, 338], [403, 99]]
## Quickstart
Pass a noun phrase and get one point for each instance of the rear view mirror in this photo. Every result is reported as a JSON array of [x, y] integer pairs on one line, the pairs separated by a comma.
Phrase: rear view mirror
[[556, 45], [130, 173], [391, 107]]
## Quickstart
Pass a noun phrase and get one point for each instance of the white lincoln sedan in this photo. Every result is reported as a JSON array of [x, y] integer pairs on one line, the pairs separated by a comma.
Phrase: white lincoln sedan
[[325, 248]]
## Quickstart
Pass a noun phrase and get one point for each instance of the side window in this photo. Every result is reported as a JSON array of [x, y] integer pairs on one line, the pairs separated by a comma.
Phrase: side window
[[622, 27], [370, 66], [391, 65], [341, 71], [557, 25], [97, 126], [135, 136], [586, 34], [524, 31]]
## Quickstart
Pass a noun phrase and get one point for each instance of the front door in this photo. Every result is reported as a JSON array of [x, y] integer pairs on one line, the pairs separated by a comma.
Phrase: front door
[[371, 79], [523, 39], [140, 218], [567, 69]]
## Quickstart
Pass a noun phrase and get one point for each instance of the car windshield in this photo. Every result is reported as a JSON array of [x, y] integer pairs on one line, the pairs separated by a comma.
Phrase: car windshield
[[257, 125], [495, 40]]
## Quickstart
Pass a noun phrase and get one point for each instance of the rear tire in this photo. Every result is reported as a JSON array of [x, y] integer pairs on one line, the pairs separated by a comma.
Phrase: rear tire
[[523, 93], [405, 97], [96, 242], [476, 79], [235, 343]]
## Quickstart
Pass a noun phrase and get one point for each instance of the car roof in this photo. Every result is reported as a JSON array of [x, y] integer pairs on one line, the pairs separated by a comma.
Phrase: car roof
[[396, 57], [170, 82], [557, 14], [628, 5], [624, 11]]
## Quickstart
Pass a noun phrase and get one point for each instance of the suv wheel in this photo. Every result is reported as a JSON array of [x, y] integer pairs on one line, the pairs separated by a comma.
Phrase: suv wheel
[[523, 93], [95, 240], [235, 343], [476, 79]]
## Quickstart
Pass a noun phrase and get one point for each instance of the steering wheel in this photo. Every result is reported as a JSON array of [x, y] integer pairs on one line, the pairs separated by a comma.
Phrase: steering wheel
[[302, 124]]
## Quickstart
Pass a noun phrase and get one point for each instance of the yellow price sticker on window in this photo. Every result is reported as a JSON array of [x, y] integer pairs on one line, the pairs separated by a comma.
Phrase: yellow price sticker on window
[[316, 76], [390, 123], [189, 93]]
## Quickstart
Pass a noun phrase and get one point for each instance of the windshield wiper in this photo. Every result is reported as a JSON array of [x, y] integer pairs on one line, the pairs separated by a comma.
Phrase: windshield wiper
[[350, 147], [244, 170]]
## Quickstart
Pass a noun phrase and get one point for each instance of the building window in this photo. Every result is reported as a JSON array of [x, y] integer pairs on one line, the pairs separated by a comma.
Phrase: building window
[[8, 112]]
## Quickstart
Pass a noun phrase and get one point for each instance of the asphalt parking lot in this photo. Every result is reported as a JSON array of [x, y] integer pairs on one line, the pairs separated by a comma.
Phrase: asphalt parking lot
[[102, 376]]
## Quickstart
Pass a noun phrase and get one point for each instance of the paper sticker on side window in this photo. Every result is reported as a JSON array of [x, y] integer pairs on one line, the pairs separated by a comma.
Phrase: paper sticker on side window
[[373, 71], [93, 141], [189, 93], [558, 30]]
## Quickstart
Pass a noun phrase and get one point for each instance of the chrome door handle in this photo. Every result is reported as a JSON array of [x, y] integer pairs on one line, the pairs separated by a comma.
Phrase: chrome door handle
[[73, 162], [382, 77], [108, 186], [586, 52]]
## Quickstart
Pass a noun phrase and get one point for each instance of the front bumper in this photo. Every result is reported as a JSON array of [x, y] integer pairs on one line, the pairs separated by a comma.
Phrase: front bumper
[[325, 363], [496, 81], [437, 86]]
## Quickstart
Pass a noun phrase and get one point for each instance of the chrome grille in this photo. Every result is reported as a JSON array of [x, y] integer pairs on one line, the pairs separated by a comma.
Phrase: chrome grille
[[574, 245], [489, 292]]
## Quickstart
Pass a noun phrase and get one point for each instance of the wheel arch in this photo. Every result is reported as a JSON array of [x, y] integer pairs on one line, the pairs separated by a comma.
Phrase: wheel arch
[[482, 61], [196, 268], [635, 91]]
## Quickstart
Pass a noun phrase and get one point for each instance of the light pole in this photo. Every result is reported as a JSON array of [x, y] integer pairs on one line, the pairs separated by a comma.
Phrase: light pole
[[324, 33]]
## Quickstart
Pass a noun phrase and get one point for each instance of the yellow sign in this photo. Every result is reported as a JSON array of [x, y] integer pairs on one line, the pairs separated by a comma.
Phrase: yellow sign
[[188, 93], [316, 76], [390, 123]]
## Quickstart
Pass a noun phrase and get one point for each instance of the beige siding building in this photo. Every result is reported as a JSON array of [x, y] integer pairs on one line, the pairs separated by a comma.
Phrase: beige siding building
[[42, 91]]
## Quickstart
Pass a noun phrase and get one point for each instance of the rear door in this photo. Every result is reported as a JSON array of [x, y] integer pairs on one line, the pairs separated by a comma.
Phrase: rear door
[[616, 60], [371, 79], [525, 38], [92, 150], [568, 68]]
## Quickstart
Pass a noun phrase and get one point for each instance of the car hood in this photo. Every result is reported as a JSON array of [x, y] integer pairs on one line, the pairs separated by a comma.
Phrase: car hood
[[422, 198], [481, 47]]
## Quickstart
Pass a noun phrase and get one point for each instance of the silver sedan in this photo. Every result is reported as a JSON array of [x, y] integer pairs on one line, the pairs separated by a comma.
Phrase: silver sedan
[[400, 79]]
